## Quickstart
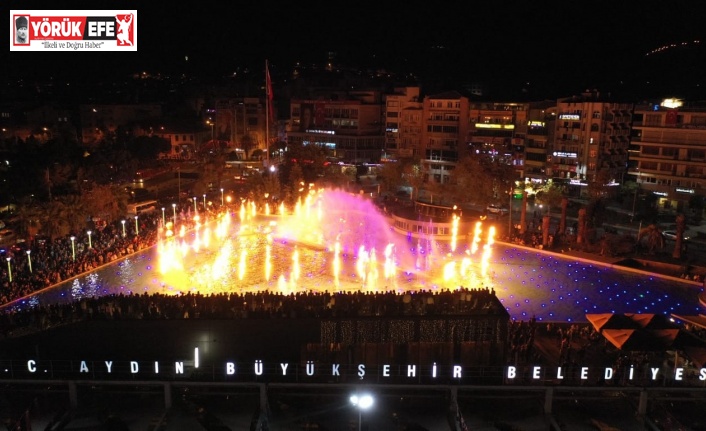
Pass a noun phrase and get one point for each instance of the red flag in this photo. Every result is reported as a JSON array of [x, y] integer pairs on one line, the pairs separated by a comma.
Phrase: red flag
[[271, 108]]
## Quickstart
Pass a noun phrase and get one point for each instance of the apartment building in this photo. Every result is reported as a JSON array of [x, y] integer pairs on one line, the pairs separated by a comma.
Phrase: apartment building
[[592, 137], [668, 152], [538, 130], [351, 130], [444, 132], [403, 123], [496, 131]]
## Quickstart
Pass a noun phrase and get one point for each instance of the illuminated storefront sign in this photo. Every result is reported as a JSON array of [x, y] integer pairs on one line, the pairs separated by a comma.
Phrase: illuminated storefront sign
[[682, 190], [569, 117], [565, 154], [494, 126]]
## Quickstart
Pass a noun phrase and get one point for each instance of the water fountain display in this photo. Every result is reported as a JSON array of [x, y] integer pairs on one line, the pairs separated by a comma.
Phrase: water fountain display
[[334, 241], [330, 241]]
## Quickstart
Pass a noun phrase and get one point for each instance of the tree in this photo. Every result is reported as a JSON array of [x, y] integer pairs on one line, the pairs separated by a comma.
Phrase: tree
[[390, 177], [481, 180], [550, 195], [108, 202], [247, 143], [652, 236]]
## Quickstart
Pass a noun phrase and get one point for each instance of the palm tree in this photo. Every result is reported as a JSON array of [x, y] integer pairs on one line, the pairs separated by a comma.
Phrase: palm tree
[[681, 227], [653, 236]]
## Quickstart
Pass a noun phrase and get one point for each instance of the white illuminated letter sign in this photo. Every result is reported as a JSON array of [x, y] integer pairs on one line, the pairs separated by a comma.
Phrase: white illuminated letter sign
[[411, 370], [83, 368], [31, 366]]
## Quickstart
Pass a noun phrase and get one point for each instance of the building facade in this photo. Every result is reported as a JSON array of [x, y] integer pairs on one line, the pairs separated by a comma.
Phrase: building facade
[[350, 130], [444, 132], [403, 123], [592, 137], [495, 130], [668, 152]]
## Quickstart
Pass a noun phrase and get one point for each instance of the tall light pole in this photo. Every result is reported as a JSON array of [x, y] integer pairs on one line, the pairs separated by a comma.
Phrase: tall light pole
[[29, 259], [195, 210], [221, 196], [123, 222], [174, 209], [73, 247], [634, 201], [164, 220], [204, 201], [9, 269], [90, 245], [212, 124], [137, 227], [362, 402]]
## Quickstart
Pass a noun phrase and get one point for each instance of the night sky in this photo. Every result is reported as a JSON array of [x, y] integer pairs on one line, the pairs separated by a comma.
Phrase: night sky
[[545, 47]]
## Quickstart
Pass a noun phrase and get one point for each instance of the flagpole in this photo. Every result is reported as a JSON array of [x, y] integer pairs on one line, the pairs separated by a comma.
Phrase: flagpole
[[267, 115]]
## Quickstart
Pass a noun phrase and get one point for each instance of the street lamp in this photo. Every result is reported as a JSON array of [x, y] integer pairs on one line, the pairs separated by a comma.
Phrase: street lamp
[[29, 259], [123, 222], [90, 245], [9, 269], [363, 402], [174, 209], [137, 228], [204, 201], [212, 124], [73, 247], [195, 204], [164, 220], [221, 196]]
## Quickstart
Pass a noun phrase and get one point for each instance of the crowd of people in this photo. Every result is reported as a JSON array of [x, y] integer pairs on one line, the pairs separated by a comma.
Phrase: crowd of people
[[52, 261], [253, 305]]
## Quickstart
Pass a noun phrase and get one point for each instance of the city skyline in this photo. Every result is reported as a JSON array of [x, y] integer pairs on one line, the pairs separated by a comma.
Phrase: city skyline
[[552, 50]]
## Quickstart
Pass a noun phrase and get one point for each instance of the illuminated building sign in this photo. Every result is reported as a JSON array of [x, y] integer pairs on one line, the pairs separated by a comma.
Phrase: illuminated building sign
[[569, 116], [661, 193], [314, 371], [565, 154], [681, 190], [672, 103], [494, 126], [536, 123]]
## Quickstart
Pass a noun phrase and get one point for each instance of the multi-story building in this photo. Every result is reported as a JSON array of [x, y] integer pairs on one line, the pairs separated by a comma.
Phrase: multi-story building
[[403, 123], [538, 131], [495, 131], [668, 152], [242, 123], [351, 130], [444, 132], [592, 136]]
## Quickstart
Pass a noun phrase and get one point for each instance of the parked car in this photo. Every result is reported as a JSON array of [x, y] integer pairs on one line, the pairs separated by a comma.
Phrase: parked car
[[672, 235], [496, 209]]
